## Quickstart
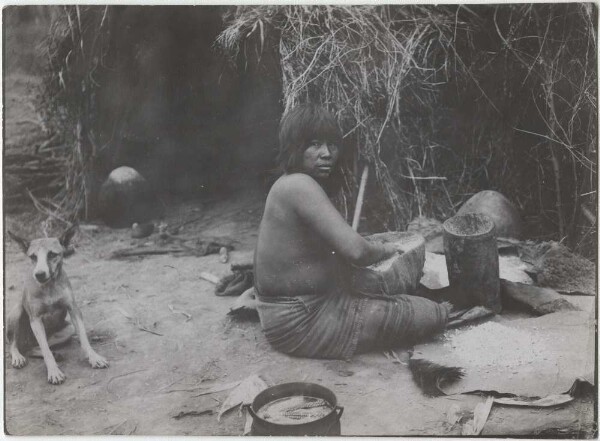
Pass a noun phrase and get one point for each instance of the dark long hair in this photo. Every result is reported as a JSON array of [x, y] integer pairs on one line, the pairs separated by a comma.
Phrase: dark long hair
[[298, 128]]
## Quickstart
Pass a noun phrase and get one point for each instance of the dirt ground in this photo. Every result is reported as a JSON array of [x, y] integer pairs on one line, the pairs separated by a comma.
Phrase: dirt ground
[[154, 376]]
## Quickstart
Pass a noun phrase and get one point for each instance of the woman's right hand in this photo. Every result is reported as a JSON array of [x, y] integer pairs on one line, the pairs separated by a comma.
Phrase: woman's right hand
[[389, 249]]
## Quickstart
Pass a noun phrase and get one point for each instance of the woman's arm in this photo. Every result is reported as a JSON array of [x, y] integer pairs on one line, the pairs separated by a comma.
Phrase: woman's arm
[[313, 207]]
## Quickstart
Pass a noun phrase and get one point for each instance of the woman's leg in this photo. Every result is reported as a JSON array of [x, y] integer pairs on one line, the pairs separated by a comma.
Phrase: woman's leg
[[374, 316], [409, 319]]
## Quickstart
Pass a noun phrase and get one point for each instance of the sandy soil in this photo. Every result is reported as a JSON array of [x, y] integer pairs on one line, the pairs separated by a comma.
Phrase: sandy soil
[[154, 377]]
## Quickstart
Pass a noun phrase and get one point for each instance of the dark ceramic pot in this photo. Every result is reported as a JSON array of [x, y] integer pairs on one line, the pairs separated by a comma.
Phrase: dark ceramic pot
[[329, 425]]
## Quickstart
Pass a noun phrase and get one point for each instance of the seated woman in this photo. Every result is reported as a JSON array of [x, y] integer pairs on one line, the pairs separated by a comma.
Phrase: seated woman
[[306, 251]]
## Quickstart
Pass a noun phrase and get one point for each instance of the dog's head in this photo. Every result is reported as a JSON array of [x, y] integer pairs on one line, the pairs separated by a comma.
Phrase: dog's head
[[47, 253]]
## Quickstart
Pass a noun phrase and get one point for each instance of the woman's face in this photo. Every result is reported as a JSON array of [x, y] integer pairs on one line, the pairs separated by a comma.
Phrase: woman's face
[[319, 159]]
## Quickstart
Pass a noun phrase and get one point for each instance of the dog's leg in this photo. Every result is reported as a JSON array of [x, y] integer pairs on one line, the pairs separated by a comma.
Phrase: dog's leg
[[59, 338], [13, 327], [55, 376], [96, 361], [59, 331]]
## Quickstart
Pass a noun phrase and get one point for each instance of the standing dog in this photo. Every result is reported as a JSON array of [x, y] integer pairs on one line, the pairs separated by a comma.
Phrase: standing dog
[[44, 303]]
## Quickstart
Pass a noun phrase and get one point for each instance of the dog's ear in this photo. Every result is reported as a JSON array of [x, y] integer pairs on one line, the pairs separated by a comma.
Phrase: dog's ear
[[66, 237], [23, 243]]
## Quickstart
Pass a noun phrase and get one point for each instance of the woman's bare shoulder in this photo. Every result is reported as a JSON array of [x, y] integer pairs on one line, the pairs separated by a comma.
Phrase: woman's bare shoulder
[[298, 190], [295, 182]]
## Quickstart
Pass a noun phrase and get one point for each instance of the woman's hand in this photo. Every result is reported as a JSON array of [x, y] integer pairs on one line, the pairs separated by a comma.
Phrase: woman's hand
[[389, 249], [398, 246]]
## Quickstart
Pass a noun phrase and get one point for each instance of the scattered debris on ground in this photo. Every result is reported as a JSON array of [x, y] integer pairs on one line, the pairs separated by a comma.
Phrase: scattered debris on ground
[[243, 394], [432, 377], [138, 322], [244, 307], [234, 284], [480, 417], [187, 316], [533, 299], [190, 413], [185, 247], [549, 401]]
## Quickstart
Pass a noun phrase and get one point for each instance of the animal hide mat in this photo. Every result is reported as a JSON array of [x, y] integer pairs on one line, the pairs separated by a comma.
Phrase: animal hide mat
[[533, 357]]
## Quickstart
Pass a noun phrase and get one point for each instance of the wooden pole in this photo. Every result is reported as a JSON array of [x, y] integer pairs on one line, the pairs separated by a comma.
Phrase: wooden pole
[[360, 198]]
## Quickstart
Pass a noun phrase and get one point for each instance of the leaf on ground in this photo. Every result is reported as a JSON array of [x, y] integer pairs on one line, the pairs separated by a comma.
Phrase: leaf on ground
[[243, 394], [248, 424], [184, 414], [179, 311], [480, 416], [218, 388], [549, 401], [453, 414], [209, 277], [125, 313]]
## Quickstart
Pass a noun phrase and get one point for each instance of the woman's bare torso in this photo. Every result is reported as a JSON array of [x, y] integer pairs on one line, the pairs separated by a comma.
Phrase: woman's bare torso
[[291, 259]]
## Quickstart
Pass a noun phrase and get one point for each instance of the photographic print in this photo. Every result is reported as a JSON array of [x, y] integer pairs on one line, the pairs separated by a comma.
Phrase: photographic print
[[301, 220]]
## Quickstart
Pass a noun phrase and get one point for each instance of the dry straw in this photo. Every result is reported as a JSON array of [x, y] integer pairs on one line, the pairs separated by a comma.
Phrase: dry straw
[[363, 63]]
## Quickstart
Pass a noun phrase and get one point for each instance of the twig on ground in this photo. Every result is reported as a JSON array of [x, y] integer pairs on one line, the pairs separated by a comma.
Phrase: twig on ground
[[121, 376], [391, 355], [209, 277], [117, 254], [143, 328], [191, 389], [178, 226], [117, 426], [178, 311], [219, 388], [175, 382], [136, 321], [183, 414], [170, 384]]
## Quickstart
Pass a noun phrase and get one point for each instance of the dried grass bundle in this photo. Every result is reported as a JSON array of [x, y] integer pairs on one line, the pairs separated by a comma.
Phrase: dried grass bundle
[[369, 65], [76, 48]]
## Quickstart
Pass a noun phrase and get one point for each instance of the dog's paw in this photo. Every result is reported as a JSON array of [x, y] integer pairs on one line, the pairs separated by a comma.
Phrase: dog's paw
[[18, 361], [55, 376], [97, 362]]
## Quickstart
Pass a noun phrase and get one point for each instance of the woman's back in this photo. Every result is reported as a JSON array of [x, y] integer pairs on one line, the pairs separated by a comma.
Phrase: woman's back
[[292, 259]]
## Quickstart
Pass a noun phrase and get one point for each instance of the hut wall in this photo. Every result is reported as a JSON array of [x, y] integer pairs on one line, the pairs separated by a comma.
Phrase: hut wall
[[168, 105], [259, 111]]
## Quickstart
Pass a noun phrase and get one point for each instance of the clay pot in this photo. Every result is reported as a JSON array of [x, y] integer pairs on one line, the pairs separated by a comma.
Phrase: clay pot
[[497, 207], [126, 197], [329, 425]]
